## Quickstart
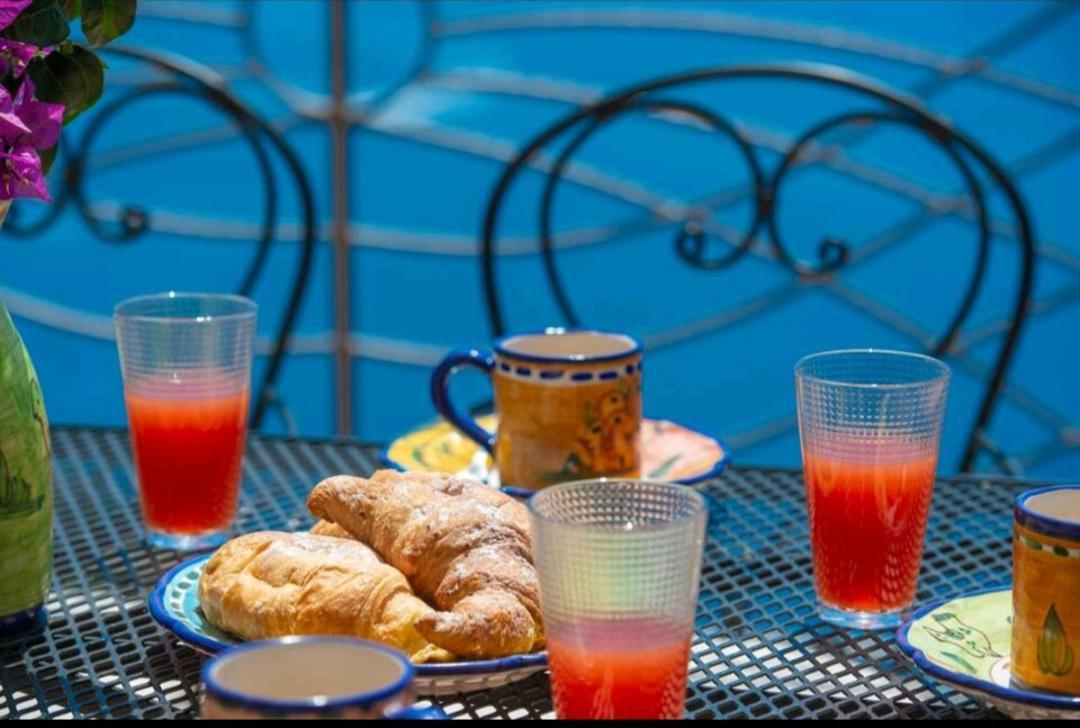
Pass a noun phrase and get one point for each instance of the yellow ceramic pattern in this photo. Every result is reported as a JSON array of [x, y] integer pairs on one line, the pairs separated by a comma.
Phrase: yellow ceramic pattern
[[583, 424], [1046, 611], [669, 451]]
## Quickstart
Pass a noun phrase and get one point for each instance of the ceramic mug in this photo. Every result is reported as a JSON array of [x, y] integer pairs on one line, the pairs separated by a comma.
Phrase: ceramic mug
[[568, 403], [1046, 589], [311, 677]]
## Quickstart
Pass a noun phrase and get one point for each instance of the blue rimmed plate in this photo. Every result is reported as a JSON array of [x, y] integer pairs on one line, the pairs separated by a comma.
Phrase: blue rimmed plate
[[670, 452], [174, 603], [965, 642]]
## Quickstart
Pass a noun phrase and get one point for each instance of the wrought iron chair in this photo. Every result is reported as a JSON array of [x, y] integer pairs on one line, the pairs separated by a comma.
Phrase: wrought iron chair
[[182, 77], [692, 237]]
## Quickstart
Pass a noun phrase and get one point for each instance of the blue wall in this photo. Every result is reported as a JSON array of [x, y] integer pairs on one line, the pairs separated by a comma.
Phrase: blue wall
[[424, 163]]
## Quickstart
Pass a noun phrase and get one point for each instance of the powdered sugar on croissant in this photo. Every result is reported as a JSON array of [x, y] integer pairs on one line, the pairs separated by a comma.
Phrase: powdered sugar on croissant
[[465, 548]]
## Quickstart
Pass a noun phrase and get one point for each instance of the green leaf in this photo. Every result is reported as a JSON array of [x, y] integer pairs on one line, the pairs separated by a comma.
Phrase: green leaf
[[106, 20], [42, 24], [74, 79], [664, 467], [48, 156], [960, 661], [72, 8], [1054, 655], [418, 456]]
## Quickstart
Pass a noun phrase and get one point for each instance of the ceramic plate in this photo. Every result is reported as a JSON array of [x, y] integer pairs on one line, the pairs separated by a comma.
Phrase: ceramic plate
[[965, 642], [670, 452], [174, 603]]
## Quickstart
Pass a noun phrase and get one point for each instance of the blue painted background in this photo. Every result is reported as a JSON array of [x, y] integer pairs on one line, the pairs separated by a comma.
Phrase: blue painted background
[[424, 162]]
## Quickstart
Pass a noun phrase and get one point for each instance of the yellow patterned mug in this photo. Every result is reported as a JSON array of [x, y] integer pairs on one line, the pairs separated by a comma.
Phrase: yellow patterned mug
[[568, 401], [1046, 589]]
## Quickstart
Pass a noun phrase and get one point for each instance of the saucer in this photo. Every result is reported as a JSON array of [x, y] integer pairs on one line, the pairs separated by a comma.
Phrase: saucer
[[671, 452], [965, 642], [174, 604]]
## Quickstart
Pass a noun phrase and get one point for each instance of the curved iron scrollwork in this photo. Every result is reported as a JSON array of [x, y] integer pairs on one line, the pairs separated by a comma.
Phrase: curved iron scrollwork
[[691, 241], [188, 79]]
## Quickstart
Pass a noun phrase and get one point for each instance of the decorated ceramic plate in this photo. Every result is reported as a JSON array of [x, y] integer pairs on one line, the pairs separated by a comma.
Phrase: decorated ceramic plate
[[174, 603], [965, 642], [670, 452]]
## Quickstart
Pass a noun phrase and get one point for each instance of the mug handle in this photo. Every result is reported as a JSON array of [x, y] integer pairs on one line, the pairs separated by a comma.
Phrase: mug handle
[[433, 712], [440, 394]]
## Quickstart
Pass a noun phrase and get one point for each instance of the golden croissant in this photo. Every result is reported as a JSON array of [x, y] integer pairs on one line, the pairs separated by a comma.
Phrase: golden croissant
[[512, 508], [269, 584], [469, 554], [326, 528]]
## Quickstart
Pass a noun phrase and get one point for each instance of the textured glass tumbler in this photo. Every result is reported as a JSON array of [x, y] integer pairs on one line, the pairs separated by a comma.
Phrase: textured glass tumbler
[[186, 361], [870, 425], [619, 563]]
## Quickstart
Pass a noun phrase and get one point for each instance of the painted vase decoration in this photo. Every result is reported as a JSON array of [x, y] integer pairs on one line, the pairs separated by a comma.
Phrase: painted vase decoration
[[26, 505], [1046, 589]]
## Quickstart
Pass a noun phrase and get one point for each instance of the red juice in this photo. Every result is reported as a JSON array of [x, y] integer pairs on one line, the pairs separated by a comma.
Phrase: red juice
[[868, 519], [618, 669], [188, 453]]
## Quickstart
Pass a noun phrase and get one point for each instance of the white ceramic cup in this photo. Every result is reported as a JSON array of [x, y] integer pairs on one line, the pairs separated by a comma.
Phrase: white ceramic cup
[[311, 677]]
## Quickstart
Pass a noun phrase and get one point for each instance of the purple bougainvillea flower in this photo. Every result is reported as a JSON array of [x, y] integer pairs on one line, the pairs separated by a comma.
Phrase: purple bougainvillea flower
[[15, 56], [12, 128], [20, 174], [26, 126], [9, 10], [42, 119]]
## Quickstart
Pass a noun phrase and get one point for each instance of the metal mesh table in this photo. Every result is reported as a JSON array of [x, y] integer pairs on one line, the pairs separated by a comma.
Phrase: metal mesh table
[[760, 650]]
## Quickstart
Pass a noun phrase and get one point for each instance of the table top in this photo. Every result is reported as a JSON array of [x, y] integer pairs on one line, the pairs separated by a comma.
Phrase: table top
[[760, 650]]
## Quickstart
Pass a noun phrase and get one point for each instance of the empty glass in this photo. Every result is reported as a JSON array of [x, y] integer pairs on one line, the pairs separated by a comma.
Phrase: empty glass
[[186, 361], [619, 563], [870, 424]]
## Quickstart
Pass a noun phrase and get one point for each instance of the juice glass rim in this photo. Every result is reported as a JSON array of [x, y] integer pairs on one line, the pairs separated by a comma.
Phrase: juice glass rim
[[700, 506], [247, 308], [943, 371]]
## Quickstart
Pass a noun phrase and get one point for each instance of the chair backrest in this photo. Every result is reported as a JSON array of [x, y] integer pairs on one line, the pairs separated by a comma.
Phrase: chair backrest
[[694, 237], [181, 77]]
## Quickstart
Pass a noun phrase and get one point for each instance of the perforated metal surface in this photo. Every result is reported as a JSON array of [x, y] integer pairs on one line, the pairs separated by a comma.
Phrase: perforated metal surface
[[760, 650]]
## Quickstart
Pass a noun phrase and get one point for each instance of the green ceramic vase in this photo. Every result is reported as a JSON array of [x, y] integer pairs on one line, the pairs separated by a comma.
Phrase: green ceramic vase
[[26, 505]]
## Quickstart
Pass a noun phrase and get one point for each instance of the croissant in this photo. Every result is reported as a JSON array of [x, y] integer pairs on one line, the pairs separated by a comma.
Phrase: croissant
[[469, 488], [450, 485], [470, 557], [326, 528], [269, 584]]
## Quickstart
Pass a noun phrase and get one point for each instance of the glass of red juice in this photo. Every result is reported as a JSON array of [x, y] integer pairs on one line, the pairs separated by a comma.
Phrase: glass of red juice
[[619, 563], [186, 361], [870, 425]]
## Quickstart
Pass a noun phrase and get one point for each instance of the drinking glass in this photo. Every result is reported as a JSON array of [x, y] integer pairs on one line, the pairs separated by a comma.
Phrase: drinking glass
[[619, 563], [186, 362], [870, 425]]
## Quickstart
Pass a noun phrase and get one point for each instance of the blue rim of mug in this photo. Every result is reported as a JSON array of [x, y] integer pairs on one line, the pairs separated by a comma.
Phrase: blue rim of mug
[[246, 307], [1013, 695], [943, 370], [355, 700], [163, 616], [1041, 523], [499, 347]]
